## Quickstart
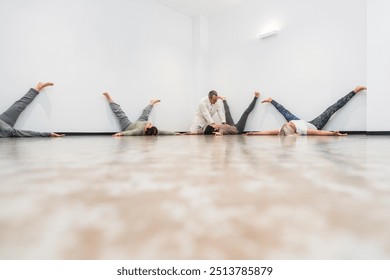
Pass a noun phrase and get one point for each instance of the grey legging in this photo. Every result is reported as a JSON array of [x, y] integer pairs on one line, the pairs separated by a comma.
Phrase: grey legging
[[242, 122], [9, 118], [320, 121], [124, 121]]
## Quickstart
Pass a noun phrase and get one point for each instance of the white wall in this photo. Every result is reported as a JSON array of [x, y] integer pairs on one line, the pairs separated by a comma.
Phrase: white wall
[[318, 56], [201, 52], [378, 70], [139, 49], [135, 49]]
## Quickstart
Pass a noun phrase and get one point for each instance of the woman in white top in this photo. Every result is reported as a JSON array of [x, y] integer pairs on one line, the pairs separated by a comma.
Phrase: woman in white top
[[295, 125]]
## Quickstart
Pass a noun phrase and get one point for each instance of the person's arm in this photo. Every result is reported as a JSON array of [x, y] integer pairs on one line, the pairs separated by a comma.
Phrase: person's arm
[[192, 133], [52, 134], [27, 133], [118, 134], [132, 132], [265, 132], [324, 133], [221, 112], [165, 132]]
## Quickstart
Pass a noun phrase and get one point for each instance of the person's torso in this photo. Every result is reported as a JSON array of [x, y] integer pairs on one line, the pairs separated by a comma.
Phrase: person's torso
[[205, 103], [302, 126], [139, 125]]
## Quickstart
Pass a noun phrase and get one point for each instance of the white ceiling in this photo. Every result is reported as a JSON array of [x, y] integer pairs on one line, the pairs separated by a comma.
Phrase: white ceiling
[[195, 8]]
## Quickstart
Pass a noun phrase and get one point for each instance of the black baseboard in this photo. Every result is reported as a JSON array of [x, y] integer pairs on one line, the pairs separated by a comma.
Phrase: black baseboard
[[112, 133], [355, 132], [87, 133], [378, 132]]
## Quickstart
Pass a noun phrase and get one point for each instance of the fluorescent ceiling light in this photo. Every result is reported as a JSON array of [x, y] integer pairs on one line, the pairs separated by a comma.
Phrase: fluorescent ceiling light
[[268, 34]]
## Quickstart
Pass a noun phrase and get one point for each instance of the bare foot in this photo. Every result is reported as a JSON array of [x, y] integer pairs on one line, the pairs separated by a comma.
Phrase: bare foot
[[41, 86], [257, 94], [269, 99], [154, 101], [359, 88], [108, 97], [222, 97]]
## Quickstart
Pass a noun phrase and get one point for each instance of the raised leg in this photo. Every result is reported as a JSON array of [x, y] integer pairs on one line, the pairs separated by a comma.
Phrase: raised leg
[[286, 113], [228, 115], [124, 121], [146, 112], [242, 122], [11, 115], [322, 119]]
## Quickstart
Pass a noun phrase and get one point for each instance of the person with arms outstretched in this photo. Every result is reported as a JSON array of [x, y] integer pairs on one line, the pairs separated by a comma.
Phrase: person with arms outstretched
[[139, 128], [296, 126]]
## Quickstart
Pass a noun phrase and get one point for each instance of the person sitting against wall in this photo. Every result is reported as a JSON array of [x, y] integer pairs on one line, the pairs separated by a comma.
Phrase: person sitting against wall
[[230, 128], [296, 126], [207, 108], [141, 126], [11, 115]]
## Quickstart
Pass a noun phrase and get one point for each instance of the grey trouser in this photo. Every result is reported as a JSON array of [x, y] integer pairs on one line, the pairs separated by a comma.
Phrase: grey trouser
[[12, 114], [242, 122], [124, 121], [9, 118]]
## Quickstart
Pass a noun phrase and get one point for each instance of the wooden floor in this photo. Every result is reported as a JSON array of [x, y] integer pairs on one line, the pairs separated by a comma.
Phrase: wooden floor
[[195, 197]]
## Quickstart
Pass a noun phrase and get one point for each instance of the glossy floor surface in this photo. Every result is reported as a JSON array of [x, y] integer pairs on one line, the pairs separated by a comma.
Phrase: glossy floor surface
[[195, 197]]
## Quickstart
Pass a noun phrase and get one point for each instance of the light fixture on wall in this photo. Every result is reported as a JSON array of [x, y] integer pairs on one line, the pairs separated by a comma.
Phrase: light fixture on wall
[[268, 34]]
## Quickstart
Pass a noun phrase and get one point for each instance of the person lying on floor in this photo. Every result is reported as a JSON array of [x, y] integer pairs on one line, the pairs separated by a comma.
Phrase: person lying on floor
[[141, 126], [296, 126], [230, 128], [11, 115]]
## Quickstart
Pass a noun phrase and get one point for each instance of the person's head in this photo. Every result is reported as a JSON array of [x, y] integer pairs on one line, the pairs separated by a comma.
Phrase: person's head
[[208, 130], [213, 96], [287, 129], [150, 129]]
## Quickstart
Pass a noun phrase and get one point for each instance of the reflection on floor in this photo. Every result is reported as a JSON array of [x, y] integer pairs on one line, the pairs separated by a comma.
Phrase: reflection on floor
[[195, 197]]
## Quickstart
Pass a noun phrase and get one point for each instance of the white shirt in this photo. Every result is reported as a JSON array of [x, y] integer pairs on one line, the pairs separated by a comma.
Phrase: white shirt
[[205, 112], [302, 126]]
